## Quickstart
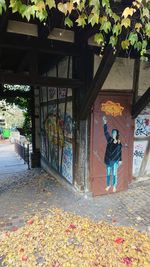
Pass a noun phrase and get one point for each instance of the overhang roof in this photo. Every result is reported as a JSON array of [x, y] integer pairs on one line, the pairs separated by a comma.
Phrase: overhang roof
[[50, 39]]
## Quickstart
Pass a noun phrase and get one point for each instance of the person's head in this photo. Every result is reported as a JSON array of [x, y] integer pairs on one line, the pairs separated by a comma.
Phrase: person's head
[[115, 134]]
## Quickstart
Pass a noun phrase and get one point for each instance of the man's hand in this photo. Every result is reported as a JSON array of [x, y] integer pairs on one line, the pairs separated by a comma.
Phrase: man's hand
[[104, 120], [120, 162]]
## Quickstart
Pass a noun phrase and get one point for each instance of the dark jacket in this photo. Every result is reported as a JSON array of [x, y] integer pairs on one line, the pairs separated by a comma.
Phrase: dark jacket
[[113, 151]]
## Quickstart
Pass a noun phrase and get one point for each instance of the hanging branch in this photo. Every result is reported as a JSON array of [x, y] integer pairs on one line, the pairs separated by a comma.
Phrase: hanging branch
[[113, 19]]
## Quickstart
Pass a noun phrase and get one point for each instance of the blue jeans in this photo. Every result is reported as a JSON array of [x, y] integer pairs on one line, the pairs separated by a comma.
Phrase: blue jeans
[[111, 169]]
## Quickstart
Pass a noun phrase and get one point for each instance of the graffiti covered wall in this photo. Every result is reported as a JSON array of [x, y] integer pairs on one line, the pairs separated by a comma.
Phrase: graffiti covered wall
[[57, 123], [57, 131], [141, 155]]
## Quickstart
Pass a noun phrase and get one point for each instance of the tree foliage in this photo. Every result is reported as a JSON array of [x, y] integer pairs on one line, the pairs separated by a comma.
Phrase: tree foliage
[[22, 102], [132, 24]]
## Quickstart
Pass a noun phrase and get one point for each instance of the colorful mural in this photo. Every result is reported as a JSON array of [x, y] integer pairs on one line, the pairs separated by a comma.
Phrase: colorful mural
[[111, 144], [57, 131], [141, 154], [54, 129]]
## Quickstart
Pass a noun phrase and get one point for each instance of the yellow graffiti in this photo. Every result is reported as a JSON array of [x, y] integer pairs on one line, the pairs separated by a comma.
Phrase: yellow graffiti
[[54, 131], [112, 108]]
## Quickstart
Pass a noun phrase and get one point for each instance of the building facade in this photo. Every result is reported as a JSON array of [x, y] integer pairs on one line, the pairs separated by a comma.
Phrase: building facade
[[74, 150]]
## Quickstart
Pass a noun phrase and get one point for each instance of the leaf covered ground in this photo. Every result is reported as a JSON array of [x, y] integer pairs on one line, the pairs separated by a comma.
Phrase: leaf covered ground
[[62, 239]]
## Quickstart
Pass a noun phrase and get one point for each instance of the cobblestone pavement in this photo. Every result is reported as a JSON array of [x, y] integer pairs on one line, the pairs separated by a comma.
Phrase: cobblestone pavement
[[30, 191]]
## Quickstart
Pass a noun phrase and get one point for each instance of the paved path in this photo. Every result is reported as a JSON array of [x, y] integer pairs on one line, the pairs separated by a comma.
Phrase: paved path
[[9, 161], [34, 191]]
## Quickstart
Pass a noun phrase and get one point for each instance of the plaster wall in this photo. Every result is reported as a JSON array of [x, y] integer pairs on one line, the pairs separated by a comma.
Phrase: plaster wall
[[121, 75], [141, 154]]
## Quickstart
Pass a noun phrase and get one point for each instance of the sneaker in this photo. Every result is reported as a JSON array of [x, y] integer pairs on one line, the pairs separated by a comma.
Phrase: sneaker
[[114, 189], [108, 187]]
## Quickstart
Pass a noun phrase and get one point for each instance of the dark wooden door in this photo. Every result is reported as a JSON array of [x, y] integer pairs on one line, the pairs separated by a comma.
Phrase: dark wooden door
[[117, 109]]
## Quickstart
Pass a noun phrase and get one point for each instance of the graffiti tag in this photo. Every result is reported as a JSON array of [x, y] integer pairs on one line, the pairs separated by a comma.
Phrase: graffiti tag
[[51, 92], [139, 153], [112, 108], [142, 126], [54, 130], [67, 162]]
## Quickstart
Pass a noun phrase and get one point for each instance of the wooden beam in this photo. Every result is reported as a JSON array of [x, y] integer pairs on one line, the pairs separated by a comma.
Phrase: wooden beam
[[141, 104], [15, 41], [43, 30], [98, 81], [4, 22], [25, 79], [135, 86], [33, 63], [32, 112], [24, 62]]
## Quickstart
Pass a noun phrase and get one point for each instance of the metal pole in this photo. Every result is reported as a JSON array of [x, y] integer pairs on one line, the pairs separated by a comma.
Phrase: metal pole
[[28, 158]]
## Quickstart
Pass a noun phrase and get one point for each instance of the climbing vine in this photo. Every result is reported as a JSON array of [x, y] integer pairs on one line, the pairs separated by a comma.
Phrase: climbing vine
[[130, 24]]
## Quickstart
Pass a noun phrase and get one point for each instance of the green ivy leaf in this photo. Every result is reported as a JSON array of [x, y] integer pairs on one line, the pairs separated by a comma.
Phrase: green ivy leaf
[[23, 9], [99, 38], [146, 12], [103, 19], [144, 44], [113, 40], [133, 38], [62, 7], [105, 3], [106, 26], [138, 46], [125, 44], [115, 17], [93, 19], [147, 29], [138, 26], [15, 6], [42, 15], [68, 22], [95, 10], [128, 11], [2, 2], [28, 12], [50, 3], [81, 20], [108, 11], [126, 23], [81, 6], [2, 6], [117, 29], [95, 3]]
